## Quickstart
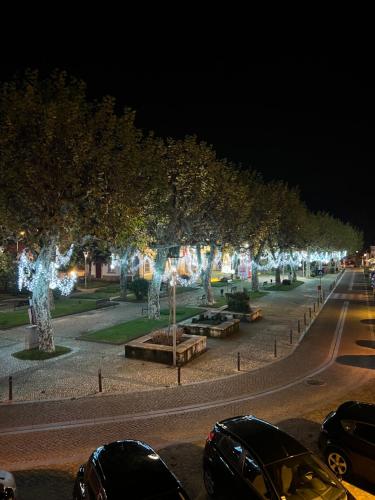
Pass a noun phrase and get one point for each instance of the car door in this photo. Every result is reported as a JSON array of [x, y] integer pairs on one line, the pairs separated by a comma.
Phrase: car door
[[257, 484], [365, 435], [230, 465]]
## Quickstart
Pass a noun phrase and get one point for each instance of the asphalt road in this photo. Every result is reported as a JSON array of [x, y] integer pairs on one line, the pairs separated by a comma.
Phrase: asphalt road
[[334, 359]]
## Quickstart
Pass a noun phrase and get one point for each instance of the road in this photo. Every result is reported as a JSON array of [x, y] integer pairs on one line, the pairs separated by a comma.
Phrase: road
[[333, 360]]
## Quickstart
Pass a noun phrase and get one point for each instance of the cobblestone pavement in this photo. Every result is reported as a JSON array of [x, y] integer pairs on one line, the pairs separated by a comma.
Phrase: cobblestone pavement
[[173, 420], [76, 374]]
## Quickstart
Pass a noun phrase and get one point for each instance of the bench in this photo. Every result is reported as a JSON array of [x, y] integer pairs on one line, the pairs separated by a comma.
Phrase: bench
[[20, 303], [144, 310]]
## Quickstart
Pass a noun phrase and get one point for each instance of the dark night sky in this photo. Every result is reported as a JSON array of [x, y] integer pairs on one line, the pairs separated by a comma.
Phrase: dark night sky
[[307, 121]]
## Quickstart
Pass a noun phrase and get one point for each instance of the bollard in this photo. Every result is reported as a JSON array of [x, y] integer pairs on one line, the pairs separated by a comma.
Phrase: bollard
[[238, 361], [304, 319], [314, 306], [291, 337], [179, 375], [100, 379], [10, 388], [125, 351], [298, 326], [310, 313], [275, 349]]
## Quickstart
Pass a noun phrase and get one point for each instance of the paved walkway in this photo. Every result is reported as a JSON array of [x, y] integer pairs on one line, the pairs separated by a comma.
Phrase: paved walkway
[[332, 360], [76, 374]]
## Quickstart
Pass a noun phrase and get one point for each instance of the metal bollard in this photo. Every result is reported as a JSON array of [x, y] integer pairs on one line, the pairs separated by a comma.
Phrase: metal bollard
[[179, 375], [298, 326], [291, 337], [314, 306], [125, 351], [310, 313], [100, 380], [10, 388], [275, 349], [238, 361], [304, 319]]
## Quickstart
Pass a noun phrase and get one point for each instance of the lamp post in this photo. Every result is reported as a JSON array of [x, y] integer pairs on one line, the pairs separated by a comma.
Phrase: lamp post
[[22, 233], [85, 254], [174, 326]]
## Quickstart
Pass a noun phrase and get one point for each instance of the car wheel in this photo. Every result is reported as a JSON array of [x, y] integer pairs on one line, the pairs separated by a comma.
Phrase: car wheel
[[338, 462], [209, 483]]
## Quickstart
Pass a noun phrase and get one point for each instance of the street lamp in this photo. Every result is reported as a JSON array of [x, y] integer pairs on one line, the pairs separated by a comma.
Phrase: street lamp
[[22, 233], [173, 283], [85, 254]]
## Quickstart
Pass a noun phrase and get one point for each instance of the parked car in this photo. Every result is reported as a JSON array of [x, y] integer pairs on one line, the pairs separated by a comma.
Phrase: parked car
[[126, 469], [246, 457], [7, 485], [347, 439]]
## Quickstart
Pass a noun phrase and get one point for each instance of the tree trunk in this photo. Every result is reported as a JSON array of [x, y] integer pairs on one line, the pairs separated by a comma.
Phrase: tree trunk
[[254, 276], [308, 272], [154, 288], [40, 299], [126, 255], [277, 275], [207, 276]]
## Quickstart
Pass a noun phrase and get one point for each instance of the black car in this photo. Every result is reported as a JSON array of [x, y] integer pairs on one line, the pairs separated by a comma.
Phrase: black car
[[246, 457], [126, 469], [347, 439]]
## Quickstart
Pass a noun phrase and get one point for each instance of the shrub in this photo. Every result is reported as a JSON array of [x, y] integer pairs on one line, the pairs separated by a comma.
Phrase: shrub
[[139, 287], [239, 301], [286, 282], [165, 337]]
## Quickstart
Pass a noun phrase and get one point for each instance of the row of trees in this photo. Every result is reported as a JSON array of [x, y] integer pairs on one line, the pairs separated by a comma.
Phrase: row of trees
[[74, 171]]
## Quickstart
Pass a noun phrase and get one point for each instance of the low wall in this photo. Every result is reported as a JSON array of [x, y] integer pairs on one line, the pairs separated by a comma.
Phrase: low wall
[[222, 330], [140, 348]]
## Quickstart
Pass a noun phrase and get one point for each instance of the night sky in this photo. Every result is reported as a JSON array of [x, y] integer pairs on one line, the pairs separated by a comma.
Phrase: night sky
[[308, 121]]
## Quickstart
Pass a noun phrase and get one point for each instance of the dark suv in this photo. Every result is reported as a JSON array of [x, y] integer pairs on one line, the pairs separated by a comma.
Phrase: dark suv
[[347, 439], [246, 457], [126, 469]]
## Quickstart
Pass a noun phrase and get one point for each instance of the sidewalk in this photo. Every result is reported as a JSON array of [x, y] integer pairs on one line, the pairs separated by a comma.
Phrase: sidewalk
[[76, 374]]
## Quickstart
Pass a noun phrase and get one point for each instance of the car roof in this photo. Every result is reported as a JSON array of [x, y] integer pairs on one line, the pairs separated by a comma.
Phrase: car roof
[[130, 466], [365, 412], [266, 440]]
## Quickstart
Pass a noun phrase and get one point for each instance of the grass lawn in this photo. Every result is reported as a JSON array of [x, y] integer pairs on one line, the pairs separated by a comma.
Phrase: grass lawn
[[35, 354], [285, 288], [124, 332], [63, 307], [96, 284]]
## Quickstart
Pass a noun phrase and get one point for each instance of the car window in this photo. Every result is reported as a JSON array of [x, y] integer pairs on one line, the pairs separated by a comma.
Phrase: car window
[[366, 432], [253, 475], [232, 451], [305, 476]]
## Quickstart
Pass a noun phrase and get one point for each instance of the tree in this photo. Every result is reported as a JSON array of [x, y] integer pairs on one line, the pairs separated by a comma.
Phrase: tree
[[53, 145]]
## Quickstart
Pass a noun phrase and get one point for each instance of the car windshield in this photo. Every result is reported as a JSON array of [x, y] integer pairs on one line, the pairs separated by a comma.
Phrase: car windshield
[[305, 476], [137, 472]]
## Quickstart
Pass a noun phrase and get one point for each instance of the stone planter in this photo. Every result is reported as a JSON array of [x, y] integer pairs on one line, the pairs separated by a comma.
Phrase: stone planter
[[143, 348], [221, 330]]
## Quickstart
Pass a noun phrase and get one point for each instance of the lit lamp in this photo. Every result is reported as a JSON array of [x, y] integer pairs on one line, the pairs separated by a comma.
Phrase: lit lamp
[[22, 233], [85, 254]]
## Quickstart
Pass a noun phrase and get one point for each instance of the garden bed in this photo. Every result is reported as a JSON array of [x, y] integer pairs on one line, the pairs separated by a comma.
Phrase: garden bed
[[189, 347], [213, 325]]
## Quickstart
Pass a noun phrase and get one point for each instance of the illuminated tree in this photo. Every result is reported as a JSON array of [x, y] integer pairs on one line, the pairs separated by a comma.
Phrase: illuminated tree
[[53, 145]]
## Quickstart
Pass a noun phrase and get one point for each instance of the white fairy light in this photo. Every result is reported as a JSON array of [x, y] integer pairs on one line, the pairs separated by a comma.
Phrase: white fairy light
[[31, 272]]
